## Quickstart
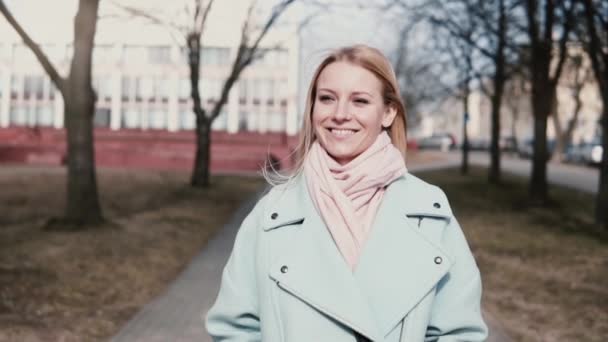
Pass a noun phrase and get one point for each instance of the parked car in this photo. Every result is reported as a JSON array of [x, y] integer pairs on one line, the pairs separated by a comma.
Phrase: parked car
[[508, 144], [441, 141], [526, 148], [585, 153], [479, 144]]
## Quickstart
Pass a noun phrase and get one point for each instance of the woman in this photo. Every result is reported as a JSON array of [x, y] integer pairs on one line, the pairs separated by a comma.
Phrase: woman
[[351, 247]]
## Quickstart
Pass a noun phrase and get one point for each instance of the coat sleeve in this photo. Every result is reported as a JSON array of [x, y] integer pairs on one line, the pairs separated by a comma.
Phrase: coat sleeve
[[235, 316], [456, 313]]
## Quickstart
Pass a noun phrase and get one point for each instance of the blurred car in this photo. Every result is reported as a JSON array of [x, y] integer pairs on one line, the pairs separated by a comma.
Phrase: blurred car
[[585, 153], [440, 141], [526, 148], [478, 144], [508, 144]]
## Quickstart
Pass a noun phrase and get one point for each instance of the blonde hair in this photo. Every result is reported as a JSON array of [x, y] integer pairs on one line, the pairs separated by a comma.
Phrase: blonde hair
[[370, 59]]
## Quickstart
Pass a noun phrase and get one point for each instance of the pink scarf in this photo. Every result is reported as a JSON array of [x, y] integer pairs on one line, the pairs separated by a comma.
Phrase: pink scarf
[[348, 196]]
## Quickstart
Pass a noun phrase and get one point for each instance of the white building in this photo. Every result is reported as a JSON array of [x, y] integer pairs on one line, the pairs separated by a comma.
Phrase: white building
[[141, 73]]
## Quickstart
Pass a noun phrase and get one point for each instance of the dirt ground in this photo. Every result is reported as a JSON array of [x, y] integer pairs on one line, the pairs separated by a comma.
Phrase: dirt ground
[[83, 286], [544, 270]]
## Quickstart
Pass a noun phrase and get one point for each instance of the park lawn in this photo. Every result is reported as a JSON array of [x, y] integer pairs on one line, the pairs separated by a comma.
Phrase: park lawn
[[544, 270], [83, 286]]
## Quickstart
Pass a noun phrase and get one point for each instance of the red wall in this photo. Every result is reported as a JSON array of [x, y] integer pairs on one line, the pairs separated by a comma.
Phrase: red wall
[[161, 150]]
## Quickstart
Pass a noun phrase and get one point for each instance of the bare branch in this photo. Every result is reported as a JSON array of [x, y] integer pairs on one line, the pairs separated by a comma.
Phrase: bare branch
[[40, 55], [152, 19], [201, 18]]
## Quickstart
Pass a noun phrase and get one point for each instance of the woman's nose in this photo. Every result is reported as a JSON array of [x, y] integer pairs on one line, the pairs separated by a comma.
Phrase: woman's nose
[[342, 112]]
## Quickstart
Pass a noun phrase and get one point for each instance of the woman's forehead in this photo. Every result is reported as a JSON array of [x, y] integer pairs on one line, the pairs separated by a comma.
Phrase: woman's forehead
[[348, 76]]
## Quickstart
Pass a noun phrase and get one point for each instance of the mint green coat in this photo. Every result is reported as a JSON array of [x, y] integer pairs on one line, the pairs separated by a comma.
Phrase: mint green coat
[[416, 279]]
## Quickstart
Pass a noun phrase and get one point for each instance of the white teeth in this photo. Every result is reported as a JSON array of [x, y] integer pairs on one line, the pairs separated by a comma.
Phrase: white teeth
[[342, 132]]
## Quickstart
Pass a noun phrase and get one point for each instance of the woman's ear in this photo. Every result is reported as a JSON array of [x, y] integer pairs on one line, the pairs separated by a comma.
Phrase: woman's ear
[[389, 116]]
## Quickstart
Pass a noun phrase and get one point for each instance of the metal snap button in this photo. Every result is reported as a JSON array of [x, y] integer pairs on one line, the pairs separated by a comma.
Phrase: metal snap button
[[436, 205], [284, 269], [438, 260], [274, 216]]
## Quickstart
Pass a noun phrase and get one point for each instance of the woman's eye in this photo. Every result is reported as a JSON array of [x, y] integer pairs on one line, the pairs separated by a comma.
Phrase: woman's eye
[[361, 101], [325, 98]]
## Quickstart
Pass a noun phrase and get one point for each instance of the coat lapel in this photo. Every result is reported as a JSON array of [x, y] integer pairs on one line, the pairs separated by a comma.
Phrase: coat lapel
[[313, 269], [399, 266]]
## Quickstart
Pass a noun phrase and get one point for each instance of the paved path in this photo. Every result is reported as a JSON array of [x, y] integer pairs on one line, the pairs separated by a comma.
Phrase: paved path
[[177, 315], [578, 177]]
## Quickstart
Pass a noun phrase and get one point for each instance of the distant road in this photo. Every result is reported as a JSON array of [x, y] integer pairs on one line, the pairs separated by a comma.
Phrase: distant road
[[577, 177]]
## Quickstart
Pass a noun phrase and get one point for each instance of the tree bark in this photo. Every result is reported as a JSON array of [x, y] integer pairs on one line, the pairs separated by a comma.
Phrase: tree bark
[[82, 196], [464, 167], [541, 103], [200, 175], [499, 85], [200, 171], [601, 205]]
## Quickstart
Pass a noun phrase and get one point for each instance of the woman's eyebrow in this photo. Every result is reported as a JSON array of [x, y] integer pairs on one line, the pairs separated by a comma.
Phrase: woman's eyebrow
[[362, 93], [327, 89]]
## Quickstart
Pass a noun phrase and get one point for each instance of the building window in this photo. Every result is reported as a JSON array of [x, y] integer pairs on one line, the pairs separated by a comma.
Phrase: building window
[[215, 56], [219, 124], [159, 54], [268, 91], [162, 89], [125, 88], [242, 121], [102, 86], [133, 54], [102, 117], [243, 91], [44, 115], [131, 118], [157, 118], [145, 87], [256, 90], [17, 115], [33, 87], [15, 86], [187, 120], [276, 122]]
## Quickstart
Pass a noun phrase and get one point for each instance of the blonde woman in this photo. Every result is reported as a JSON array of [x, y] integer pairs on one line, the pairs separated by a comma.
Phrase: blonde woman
[[350, 247]]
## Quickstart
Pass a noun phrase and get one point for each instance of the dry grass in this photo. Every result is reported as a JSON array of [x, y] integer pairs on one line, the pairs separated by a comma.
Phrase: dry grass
[[83, 286], [545, 270]]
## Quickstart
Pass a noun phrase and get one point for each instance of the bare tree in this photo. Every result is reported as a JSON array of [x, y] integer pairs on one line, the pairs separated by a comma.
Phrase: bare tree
[[83, 207], [485, 27], [544, 19], [596, 16], [248, 51], [576, 75], [417, 73]]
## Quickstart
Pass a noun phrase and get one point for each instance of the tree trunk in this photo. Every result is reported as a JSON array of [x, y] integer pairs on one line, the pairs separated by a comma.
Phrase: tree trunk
[[200, 171], [499, 85], [601, 208], [200, 176], [464, 167], [82, 197], [541, 103], [494, 174]]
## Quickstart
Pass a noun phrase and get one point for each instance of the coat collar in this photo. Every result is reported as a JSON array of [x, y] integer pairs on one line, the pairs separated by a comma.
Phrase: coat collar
[[396, 269]]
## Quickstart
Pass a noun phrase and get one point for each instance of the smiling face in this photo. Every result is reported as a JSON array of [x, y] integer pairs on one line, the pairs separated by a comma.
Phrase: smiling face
[[349, 110]]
